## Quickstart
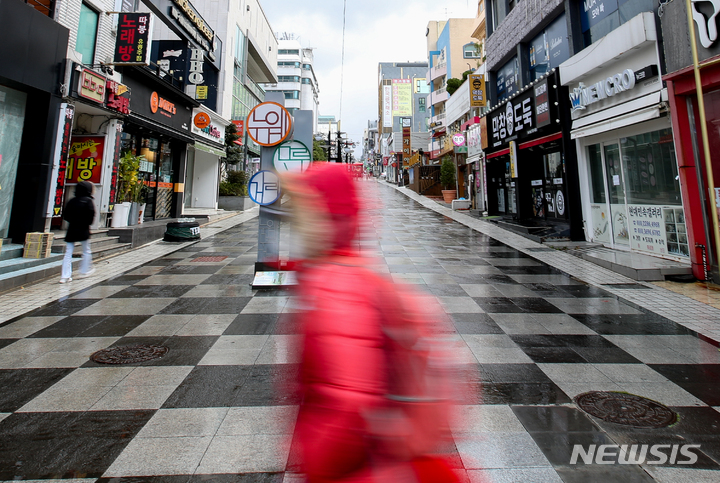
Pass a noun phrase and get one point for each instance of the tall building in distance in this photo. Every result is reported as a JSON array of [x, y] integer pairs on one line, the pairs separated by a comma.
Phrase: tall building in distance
[[296, 76]]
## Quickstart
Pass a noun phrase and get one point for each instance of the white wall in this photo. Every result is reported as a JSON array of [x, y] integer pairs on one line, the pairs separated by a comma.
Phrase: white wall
[[205, 182], [68, 15]]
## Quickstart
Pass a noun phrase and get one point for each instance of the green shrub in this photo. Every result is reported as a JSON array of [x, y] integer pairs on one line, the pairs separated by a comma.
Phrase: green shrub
[[237, 177], [447, 173], [235, 184]]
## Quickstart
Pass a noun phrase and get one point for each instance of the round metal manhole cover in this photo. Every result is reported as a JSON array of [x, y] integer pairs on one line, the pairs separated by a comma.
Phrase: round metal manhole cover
[[626, 409], [129, 354]]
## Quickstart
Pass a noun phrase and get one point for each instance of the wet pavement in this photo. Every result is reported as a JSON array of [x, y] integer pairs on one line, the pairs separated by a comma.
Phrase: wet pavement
[[536, 335]]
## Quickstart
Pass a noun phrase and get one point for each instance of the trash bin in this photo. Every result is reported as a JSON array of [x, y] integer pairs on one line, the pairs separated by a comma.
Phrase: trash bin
[[182, 230], [120, 215]]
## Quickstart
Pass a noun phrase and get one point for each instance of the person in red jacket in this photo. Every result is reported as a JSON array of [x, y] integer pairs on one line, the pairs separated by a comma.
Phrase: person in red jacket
[[374, 400]]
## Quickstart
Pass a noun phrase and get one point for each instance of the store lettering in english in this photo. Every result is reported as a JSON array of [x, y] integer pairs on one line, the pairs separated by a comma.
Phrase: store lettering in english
[[189, 10], [583, 96]]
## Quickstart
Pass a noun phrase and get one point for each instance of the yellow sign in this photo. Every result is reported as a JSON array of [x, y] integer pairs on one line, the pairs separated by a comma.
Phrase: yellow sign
[[513, 160], [402, 97], [477, 90], [201, 92]]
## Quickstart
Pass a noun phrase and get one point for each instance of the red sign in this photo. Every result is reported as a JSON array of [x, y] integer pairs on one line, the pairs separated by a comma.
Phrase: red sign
[[114, 177], [62, 162], [85, 159], [132, 45], [240, 126], [118, 96]]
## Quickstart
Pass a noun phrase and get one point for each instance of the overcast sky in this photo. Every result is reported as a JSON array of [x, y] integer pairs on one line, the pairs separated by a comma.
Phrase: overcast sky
[[375, 31]]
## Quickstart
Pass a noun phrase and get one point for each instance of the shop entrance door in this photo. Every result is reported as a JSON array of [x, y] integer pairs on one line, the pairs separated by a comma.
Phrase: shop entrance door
[[555, 186], [616, 191]]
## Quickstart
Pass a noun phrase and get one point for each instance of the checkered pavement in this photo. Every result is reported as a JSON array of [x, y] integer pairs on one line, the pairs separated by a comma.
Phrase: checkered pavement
[[209, 409]]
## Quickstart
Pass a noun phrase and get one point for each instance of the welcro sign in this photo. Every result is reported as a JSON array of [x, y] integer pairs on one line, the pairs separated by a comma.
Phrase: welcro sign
[[583, 96]]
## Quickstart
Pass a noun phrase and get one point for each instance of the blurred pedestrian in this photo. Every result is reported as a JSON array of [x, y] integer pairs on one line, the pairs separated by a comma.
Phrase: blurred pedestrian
[[373, 389], [79, 213]]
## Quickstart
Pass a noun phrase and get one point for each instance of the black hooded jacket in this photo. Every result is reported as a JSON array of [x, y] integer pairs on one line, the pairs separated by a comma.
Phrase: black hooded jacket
[[79, 213]]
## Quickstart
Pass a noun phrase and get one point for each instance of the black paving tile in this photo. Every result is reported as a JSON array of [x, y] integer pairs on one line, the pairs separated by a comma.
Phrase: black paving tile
[[20, 386], [207, 305], [689, 373], [243, 279], [269, 385], [154, 291], [512, 373], [529, 270], [209, 387], [586, 291], [197, 269], [541, 340], [536, 305], [92, 326], [558, 446], [124, 280], [240, 478], [605, 355], [554, 419], [147, 479], [65, 445], [252, 324], [522, 393], [547, 290], [497, 305], [631, 324], [6, 342], [554, 355], [62, 307]]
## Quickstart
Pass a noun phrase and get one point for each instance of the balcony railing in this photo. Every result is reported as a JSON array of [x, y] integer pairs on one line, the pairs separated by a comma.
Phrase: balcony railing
[[46, 7], [438, 96], [438, 71]]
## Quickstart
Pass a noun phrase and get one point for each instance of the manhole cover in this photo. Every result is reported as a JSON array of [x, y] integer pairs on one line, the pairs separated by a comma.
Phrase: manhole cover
[[129, 354], [209, 259], [627, 409]]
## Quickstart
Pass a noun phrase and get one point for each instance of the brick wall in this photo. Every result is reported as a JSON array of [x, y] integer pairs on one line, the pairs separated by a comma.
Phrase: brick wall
[[518, 24], [68, 15]]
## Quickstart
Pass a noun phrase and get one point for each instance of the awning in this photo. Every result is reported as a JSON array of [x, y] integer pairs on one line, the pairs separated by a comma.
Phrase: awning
[[209, 149], [633, 112], [438, 132], [157, 127]]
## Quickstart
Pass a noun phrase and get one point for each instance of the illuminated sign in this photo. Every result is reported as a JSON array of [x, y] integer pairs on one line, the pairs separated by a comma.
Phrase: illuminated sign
[[92, 86]]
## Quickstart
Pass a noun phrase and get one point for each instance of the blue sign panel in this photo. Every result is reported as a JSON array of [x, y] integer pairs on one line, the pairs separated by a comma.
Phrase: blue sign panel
[[264, 187], [593, 11], [557, 41]]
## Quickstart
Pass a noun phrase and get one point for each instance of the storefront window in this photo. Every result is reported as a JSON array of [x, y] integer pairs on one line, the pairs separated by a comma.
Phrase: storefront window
[[597, 185], [650, 169]]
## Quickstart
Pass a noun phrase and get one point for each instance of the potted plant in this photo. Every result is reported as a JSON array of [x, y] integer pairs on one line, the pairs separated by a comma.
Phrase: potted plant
[[128, 168], [137, 200], [447, 179], [234, 192]]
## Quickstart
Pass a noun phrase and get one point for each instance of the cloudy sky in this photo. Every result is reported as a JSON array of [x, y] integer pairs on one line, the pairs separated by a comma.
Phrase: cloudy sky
[[375, 31]]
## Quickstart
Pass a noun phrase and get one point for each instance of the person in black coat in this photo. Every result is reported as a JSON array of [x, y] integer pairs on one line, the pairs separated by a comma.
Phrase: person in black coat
[[79, 213]]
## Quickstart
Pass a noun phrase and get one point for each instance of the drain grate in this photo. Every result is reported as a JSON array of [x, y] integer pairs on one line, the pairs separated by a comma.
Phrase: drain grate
[[625, 409], [208, 259], [129, 354]]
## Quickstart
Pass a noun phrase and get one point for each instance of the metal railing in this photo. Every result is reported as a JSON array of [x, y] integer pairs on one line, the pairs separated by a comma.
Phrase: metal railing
[[46, 7]]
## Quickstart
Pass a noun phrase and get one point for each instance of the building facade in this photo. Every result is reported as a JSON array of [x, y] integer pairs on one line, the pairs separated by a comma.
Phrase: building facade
[[296, 77]]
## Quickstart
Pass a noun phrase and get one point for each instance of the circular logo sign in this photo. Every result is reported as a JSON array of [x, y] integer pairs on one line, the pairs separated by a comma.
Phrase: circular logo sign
[[477, 83], [202, 120], [458, 139], [264, 187], [269, 124], [560, 203], [509, 118], [292, 156], [154, 102]]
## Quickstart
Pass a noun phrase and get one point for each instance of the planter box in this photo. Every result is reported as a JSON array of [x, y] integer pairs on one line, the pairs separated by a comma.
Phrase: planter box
[[460, 204], [235, 203]]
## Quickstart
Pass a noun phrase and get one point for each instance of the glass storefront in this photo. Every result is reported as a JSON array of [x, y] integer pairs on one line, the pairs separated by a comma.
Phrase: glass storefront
[[156, 172], [635, 194], [12, 119]]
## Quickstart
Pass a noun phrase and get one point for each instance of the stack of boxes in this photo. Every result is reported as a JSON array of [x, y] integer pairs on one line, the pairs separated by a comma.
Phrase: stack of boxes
[[38, 245]]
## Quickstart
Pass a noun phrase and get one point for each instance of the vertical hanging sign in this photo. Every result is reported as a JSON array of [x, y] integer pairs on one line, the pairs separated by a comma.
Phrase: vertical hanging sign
[[132, 45], [513, 160], [407, 147], [64, 149], [116, 162]]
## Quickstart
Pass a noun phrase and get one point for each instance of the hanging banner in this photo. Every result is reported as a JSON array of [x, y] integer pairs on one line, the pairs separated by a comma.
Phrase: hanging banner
[[387, 107], [132, 45], [116, 162], [477, 90], [64, 137], [401, 97], [513, 160], [85, 159]]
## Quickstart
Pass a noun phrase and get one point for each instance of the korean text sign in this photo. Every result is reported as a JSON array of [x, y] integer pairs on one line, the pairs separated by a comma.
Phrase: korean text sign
[[132, 45], [85, 159]]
